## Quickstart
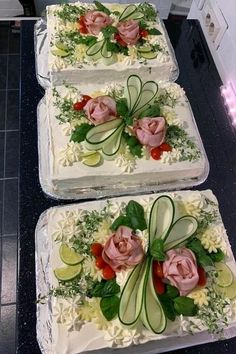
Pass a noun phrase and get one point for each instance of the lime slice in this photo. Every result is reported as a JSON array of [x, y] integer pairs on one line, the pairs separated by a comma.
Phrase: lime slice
[[229, 291], [59, 53], [92, 160], [67, 273], [69, 256], [146, 49], [88, 153], [61, 46], [225, 276], [148, 55]]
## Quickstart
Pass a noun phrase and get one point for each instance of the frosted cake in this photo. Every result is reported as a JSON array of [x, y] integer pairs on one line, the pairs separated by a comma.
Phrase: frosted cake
[[120, 135], [134, 270], [107, 42]]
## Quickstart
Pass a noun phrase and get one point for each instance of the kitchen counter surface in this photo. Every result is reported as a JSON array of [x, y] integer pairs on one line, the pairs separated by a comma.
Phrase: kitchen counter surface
[[201, 82]]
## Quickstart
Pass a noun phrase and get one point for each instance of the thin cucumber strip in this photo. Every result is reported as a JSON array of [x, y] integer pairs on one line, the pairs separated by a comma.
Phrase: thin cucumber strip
[[112, 144], [130, 303], [152, 315], [161, 218], [148, 94], [129, 10], [132, 91], [135, 16], [180, 231], [105, 53], [96, 136], [95, 48]]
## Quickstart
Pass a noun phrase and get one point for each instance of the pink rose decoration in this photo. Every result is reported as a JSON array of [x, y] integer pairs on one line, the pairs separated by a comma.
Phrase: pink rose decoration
[[181, 270], [101, 109], [123, 249], [129, 31], [150, 131], [95, 21]]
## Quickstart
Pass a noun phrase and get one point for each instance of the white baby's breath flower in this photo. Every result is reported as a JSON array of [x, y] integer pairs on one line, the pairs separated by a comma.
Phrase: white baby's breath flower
[[171, 156]]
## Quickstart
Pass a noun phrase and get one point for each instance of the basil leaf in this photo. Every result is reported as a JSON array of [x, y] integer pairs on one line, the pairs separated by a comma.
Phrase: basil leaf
[[153, 111], [108, 31], [105, 289], [218, 256], [129, 120], [135, 212], [121, 220], [203, 257], [168, 306], [171, 291], [112, 47], [122, 107], [157, 250], [97, 290], [109, 307], [136, 150], [79, 134], [102, 8], [88, 40], [154, 32], [185, 306]]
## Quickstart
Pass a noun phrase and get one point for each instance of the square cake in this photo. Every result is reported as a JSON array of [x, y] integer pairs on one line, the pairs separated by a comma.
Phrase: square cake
[[119, 137], [107, 42], [141, 274]]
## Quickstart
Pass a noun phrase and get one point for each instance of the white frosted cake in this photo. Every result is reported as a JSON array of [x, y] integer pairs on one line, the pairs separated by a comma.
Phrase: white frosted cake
[[96, 136], [107, 42], [141, 274]]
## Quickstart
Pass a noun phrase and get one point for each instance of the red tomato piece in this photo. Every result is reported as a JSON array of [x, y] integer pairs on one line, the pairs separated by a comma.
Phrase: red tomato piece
[[157, 269], [120, 40], [156, 153], [143, 33], [96, 249], [202, 276], [108, 273], [86, 98], [82, 26], [100, 263], [159, 285], [165, 147], [78, 106]]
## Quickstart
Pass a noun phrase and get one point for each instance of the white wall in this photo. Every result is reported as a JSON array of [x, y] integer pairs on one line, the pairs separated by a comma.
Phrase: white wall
[[10, 8]]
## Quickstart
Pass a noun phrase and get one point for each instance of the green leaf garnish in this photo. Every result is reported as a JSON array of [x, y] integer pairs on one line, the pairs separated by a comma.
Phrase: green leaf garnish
[[135, 147], [153, 111], [185, 306], [105, 289], [203, 257], [110, 306], [122, 107], [79, 134], [168, 306], [102, 8], [135, 212], [148, 10], [108, 31], [218, 256], [121, 220], [154, 32], [171, 291], [157, 250]]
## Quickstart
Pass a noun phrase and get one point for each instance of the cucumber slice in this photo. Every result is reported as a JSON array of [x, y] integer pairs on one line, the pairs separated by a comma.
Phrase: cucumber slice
[[111, 60], [146, 49], [148, 55], [96, 136], [67, 273], [128, 11], [148, 94], [135, 16], [131, 301], [225, 276], [152, 315], [180, 231], [112, 144], [105, 53], [69, 256], [132, 90], [59, 53], [229, 291], [61, 46], [161, 218], [95, 48]]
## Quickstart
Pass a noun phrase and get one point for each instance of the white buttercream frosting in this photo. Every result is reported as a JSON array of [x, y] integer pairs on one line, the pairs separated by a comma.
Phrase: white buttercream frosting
[[214, 239], [199, 297], [70, 154], [171, 157]]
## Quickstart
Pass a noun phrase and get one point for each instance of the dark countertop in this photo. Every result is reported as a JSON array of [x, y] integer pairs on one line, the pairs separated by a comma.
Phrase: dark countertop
[[201, 82]]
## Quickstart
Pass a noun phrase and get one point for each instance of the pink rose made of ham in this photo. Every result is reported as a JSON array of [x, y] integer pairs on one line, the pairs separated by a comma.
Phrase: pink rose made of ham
[[123, 249], [95, 21], [129, 31], [101, 109], [181, 270], [150, 131]]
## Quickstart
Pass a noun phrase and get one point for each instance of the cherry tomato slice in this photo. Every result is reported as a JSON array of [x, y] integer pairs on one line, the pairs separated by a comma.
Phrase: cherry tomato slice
[[165, 147], [202, 276], [78, 106], [100, 263], [96, 249], [156, 153], [120, 40], [143, 33], [157, 269], [159, 285], [108, 273]]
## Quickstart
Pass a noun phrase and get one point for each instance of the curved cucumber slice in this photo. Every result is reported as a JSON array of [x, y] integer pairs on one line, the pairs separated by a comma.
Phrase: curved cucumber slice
[[59, 53], [132, 91], [95, 48], [181, 230], [111, 60], [112, 144], [148, 94], [128, 11], [96, 136], [105, 53], [161, 218], [135, 16], [148, 55], [130, 300], [152, 315]]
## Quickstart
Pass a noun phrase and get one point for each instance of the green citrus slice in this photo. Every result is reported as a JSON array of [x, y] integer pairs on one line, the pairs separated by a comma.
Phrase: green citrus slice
[[148, 55], [59, 53], [225, 276], [67, 273], [61, 46], [69, 256], [92, 160], [229, 291]]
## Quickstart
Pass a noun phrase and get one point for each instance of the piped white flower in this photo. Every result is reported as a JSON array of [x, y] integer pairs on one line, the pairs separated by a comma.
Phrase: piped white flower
[[60, 312], [171, 156], [90, 268], [213, 239], [70, 154], [103, 232], [199, 297]]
